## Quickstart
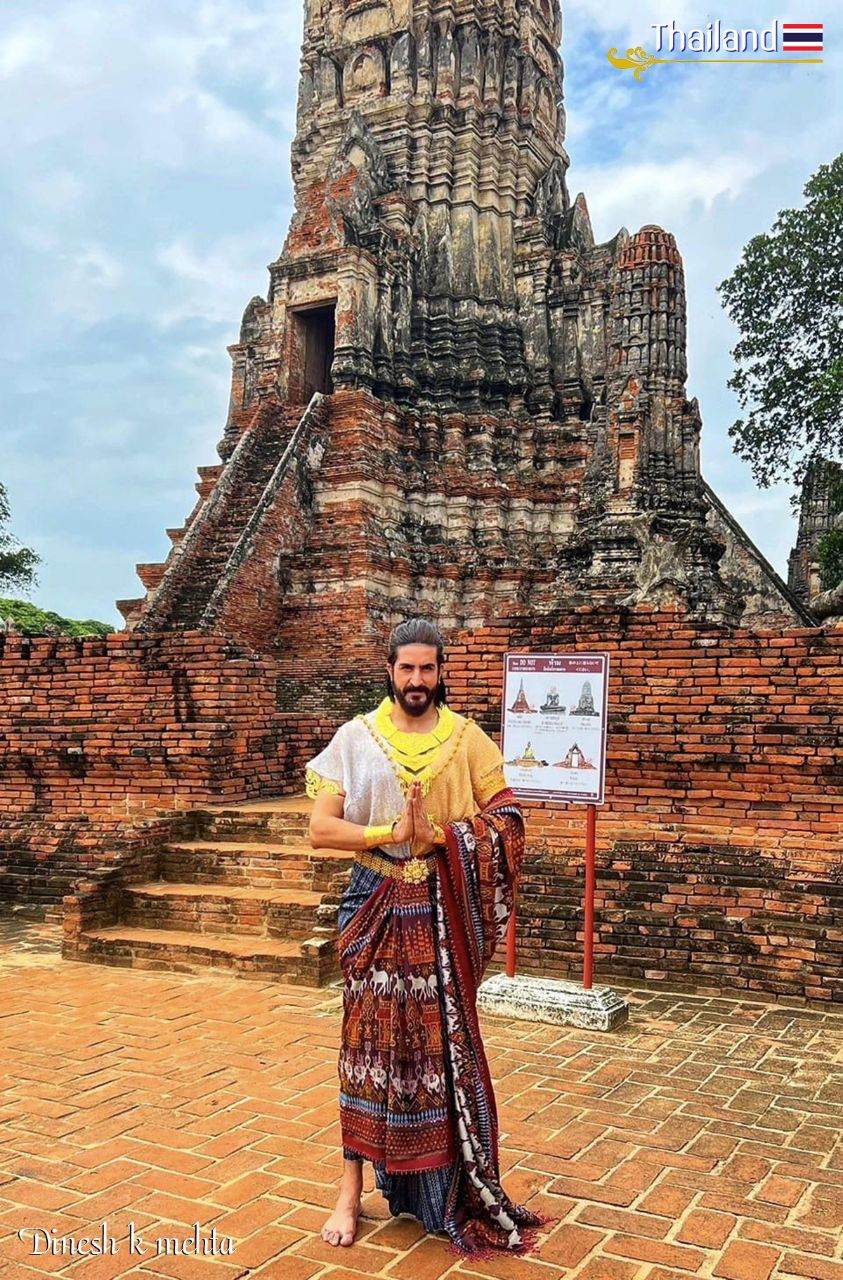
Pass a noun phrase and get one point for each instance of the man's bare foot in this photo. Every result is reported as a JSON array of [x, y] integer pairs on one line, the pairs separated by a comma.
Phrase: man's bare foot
[[341, 1227]]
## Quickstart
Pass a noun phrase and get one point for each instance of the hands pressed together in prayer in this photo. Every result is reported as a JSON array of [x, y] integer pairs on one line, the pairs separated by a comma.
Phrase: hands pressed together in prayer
[[414, 824]]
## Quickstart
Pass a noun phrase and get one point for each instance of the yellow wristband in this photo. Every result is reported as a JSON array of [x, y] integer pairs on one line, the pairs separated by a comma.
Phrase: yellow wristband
[[374, 836]]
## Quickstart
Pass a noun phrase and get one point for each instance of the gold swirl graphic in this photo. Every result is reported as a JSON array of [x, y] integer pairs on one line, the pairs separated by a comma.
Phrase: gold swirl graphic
[[637, 61]]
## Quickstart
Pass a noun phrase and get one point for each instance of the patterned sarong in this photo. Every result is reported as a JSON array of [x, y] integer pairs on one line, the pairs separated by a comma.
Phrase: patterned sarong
[[416, 1096]]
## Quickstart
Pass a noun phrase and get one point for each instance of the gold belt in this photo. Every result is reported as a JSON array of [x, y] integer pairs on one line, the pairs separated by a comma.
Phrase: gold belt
[[412, 869]]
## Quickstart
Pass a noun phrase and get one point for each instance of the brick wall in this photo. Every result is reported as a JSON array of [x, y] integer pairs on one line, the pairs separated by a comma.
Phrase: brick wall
[[719, 847], [713, 729], [129, 722], [101, 733]]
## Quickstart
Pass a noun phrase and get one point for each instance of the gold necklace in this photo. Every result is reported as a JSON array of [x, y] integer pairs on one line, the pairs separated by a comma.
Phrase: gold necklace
[[412, 754]]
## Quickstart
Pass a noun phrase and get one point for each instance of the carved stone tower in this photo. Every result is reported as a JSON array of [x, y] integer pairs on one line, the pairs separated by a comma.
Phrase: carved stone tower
[[452, 400], [423, 137], [819, 513]]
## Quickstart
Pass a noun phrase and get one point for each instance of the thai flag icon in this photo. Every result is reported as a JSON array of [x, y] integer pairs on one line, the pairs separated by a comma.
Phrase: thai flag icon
[[802, 37]]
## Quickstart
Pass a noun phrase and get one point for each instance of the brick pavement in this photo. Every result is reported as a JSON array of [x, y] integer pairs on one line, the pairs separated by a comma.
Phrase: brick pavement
[[703, 1139]]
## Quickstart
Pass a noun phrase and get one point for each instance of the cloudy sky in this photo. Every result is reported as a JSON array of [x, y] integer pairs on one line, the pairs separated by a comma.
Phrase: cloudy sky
[[144, 171]]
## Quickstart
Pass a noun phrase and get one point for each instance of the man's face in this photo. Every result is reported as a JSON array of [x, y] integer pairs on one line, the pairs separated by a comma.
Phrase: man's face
[[415, 676]]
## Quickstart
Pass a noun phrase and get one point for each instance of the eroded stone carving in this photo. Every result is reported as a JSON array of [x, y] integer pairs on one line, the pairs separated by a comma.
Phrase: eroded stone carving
[[357, 175]]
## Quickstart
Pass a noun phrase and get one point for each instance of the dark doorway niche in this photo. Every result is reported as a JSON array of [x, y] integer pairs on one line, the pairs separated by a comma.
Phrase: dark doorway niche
[[311, 351]]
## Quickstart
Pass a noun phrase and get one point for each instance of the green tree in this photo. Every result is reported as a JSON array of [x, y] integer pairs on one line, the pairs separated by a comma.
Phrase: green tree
[[786, 297], [17, 563], [34, 621]]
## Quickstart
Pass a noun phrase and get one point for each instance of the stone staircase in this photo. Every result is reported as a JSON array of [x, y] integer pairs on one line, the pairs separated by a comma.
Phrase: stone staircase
[[239, 889], [179, 588]]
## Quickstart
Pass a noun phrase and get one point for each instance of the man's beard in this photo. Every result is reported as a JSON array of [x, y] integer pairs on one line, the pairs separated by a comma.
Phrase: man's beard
[[414, 706]]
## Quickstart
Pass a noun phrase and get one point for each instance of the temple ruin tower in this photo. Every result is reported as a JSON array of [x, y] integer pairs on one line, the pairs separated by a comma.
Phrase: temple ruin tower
[[820, 511], [425, 135], [452, 399]]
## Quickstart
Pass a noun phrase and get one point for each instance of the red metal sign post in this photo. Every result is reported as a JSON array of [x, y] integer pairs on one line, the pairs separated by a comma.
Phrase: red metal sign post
[[553, 737], [588, 926]]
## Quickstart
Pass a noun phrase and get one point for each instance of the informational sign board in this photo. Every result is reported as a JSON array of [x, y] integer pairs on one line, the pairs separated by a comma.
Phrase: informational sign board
[[553, 725]]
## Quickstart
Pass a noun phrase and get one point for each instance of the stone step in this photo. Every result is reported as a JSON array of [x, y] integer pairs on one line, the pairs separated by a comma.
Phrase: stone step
[[295, 808], [243, 891], [267, 847], [298, 803], [259, 864], [283, 819], [283, 828], [305, 962], [225, 908]]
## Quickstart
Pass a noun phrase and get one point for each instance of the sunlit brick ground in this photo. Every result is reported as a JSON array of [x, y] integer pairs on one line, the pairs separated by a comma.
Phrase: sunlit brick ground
[[703, 1139]]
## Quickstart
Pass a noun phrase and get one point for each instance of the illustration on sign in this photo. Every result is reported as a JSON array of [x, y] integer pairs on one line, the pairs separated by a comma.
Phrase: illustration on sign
[[521, 706], [553, 731], [552, 703]]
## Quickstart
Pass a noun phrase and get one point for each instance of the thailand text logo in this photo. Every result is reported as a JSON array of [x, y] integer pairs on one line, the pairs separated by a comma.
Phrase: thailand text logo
[[799, 42]]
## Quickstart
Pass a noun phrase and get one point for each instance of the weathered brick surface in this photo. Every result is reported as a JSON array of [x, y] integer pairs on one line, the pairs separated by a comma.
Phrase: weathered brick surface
[[719, 848], [101, 734]]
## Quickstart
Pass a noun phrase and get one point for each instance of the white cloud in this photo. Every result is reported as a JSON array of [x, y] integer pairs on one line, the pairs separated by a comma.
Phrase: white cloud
[[214, 281], [217, 121], [137, 83], [98, 268], [20, 49], [669, 191], [56, 193]]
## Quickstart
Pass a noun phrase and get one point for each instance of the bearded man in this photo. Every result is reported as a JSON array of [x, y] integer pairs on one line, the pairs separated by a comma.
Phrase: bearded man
[[418, 792]]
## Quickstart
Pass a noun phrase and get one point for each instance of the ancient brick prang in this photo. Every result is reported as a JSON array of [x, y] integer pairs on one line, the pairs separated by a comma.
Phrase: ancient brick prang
[[820, 511], [505, 413]]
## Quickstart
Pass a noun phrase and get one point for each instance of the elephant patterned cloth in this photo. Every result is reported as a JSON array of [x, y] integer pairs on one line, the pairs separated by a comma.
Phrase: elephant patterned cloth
[[416, 1097]]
